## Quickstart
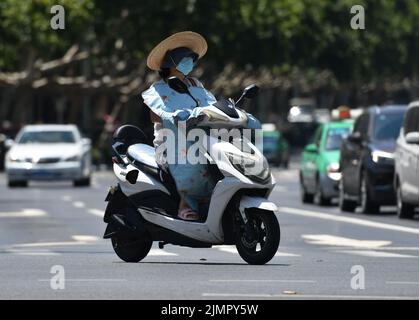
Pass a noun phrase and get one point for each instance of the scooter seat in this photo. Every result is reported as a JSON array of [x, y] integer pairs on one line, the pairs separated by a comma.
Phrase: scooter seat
[[143, 153], [143, 157]]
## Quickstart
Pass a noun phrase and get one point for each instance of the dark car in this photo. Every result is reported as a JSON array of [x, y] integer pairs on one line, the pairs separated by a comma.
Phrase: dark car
[[3, 150], [367, 160]]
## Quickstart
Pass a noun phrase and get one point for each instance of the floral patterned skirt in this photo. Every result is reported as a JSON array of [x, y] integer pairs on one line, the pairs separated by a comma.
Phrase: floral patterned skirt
[[193, 182]]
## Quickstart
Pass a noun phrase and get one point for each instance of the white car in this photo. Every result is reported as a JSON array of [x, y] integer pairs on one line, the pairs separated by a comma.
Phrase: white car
[[407, 163], [48, 152]]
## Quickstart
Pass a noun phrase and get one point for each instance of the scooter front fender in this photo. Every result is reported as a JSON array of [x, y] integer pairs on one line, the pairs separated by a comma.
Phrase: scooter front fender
[[247, 202]]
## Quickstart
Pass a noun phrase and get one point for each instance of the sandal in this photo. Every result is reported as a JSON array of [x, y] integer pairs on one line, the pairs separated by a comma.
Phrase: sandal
[[188, 214]]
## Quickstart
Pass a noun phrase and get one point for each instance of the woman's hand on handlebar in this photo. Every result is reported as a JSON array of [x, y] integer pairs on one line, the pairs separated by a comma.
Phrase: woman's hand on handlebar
[[193, 121], [181, 115]]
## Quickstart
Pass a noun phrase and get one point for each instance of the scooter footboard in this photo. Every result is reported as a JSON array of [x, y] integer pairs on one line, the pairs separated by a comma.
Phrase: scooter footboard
[[247, 202]]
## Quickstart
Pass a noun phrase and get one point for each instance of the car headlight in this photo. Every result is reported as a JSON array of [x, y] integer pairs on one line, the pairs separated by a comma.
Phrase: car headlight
[[15, 158], [382, 157], [333, 171], [72, 159], [249, 166]]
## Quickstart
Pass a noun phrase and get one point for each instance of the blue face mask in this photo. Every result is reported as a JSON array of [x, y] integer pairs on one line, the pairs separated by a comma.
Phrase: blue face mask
[[185, 66]]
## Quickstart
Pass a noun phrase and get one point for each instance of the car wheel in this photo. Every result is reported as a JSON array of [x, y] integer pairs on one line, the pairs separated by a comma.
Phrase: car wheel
[[285, 159], [85, 182], [368, 206], [345, 205], [319, 198], [285, 164], [305, 196], [404, 210], [17, 184]]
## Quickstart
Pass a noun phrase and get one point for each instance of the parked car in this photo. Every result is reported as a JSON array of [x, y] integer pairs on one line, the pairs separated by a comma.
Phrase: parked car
[[275, 146], [367, 160], [3, 139], [319, 168], [406, 180], [49, 152]]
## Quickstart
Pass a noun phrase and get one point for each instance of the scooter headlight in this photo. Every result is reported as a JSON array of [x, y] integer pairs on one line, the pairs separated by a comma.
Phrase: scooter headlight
[[253, 167]]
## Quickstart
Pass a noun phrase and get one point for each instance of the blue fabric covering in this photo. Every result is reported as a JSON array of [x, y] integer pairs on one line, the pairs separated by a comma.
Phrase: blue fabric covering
[[192, 181]]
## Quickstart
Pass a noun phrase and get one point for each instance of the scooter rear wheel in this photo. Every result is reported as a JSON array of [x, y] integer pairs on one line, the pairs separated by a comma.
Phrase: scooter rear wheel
[[258, 240], [131, 249]]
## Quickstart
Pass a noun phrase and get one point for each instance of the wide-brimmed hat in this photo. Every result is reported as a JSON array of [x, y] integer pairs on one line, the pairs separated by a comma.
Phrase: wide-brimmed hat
[[186, 39]]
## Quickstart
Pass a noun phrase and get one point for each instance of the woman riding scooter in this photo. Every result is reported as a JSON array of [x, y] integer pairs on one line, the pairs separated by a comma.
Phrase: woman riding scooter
[[175, 57]]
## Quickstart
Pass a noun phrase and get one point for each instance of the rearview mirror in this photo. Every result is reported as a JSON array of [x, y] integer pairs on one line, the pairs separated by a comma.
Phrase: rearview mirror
[[412, 137], [8, 143], [86, 141], [251, 91], [177, 85], [312, 148], [355, 137]]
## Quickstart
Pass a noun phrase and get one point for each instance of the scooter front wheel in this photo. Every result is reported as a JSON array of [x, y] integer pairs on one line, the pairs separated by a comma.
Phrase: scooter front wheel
[[131, 249], [258, 240]]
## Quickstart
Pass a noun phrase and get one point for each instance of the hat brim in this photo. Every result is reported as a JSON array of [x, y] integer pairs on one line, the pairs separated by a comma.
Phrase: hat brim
[[187, 39]]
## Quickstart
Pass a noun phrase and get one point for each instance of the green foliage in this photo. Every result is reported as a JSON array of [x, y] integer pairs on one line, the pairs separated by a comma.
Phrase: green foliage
[[25, 29], [279, 34]]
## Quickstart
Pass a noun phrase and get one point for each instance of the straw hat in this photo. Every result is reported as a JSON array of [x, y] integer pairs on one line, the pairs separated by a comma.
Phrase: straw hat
[[187, 39]]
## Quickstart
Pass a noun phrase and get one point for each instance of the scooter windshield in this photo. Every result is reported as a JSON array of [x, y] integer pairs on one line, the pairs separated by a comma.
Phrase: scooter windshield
[[228, 107]]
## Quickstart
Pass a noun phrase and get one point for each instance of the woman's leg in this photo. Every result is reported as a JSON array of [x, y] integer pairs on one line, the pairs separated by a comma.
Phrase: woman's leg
[[183, 204], [186, 212], [192, 182]]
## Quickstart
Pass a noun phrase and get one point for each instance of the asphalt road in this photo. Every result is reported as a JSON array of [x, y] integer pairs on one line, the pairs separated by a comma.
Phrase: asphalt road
[[324, 254]]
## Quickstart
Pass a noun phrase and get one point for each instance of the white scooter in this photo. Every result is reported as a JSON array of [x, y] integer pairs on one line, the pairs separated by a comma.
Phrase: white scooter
[[143, 206]]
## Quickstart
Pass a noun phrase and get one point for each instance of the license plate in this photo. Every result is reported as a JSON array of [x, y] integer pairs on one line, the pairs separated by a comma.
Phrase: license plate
[[41, 174]]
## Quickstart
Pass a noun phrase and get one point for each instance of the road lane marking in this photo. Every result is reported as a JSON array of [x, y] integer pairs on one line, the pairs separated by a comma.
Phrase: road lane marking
[[375, 254], [160, 252], [48, 244], [344, 219], [78, 240], [400, 248], [403, 282], [25, 213], [96, 212], [85, 238], [233, 249], [263, 280], [32, 252], [306, 296], [86, 280], [329, 240], [66, 198], [375, 247], [79, 204]]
